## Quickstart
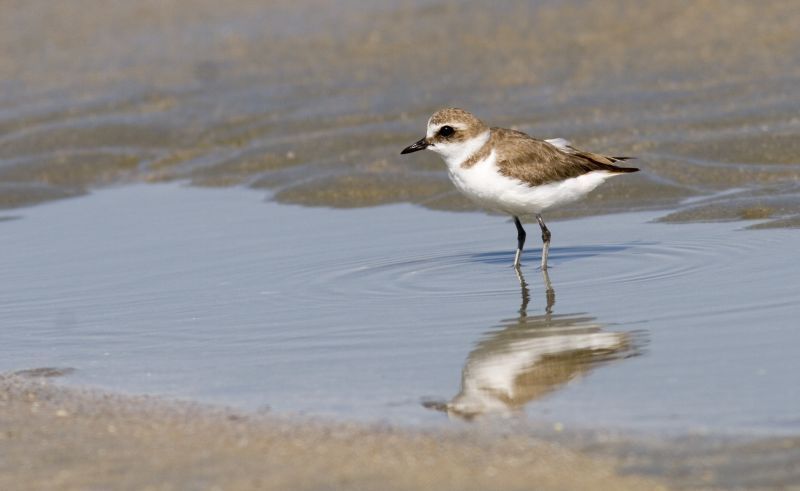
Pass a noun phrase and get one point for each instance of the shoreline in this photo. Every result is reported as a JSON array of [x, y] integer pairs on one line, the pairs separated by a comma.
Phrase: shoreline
[[64, 438], [56, 437]]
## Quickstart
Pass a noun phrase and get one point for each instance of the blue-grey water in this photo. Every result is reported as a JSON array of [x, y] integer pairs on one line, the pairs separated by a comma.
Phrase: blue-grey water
[[403, 314]]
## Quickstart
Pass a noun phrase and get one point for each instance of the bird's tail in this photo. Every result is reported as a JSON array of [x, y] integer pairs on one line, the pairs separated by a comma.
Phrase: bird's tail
[[623, 170]]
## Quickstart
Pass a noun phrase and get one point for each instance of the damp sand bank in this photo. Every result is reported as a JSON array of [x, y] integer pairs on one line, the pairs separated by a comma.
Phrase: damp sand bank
[[60, 438], [55, 438], [314, 103]]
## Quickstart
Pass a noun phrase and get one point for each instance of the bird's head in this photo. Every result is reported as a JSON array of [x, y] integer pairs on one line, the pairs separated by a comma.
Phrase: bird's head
[[449, 132]]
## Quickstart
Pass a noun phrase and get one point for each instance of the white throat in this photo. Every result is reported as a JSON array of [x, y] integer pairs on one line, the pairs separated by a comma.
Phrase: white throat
[[454, 154]]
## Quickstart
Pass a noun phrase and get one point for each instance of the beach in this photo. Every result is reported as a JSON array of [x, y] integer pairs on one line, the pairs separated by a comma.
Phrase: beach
[[218, 272], [65, 439]]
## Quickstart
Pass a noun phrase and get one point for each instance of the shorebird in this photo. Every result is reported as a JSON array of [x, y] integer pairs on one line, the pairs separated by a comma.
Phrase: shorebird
[[510, 172]]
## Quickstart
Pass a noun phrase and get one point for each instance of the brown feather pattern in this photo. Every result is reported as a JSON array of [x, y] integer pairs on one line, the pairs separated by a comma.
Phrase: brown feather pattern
[[536, 162]]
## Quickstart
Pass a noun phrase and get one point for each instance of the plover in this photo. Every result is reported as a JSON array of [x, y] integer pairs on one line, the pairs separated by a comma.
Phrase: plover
[[510, 172]]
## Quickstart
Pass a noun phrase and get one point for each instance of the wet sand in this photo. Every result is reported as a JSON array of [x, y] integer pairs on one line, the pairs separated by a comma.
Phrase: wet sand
[[61, 438], [315, 103], [56, 438]]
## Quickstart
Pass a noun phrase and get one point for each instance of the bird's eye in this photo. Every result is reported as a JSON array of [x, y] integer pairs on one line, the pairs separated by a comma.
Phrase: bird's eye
[[446, 131]]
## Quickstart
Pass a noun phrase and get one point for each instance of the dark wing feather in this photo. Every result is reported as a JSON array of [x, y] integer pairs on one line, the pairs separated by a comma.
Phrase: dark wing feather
[[537, 162]]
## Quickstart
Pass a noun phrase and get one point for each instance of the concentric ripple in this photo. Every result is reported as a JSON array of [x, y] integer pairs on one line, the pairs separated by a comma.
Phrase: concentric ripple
[[470, 270]]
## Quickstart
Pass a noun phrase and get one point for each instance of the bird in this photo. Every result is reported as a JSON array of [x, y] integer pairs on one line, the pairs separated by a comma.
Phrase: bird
[[512, 173]]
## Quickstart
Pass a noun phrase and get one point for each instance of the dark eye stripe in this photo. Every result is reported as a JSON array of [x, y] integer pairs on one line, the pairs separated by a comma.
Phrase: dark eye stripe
[[446, 131]]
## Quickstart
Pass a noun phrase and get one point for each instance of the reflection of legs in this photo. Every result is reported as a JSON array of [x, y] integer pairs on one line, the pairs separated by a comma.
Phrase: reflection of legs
[[520, 241], [550, 294], [526, 296], [545, 240]]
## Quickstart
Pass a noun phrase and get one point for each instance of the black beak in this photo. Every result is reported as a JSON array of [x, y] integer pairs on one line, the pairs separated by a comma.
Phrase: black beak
[[416, 147]]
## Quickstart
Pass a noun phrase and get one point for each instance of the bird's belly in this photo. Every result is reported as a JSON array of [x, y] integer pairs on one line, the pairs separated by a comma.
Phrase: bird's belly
[[485, 186]]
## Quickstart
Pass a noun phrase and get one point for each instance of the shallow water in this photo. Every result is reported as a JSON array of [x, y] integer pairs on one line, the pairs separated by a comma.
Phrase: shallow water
[[403, 314]]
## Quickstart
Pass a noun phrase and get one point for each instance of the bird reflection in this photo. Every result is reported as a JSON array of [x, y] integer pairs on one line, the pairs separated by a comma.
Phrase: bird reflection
[[531, 356]]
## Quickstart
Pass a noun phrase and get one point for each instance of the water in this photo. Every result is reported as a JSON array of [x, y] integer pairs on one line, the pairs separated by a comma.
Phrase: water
[[402, 314]]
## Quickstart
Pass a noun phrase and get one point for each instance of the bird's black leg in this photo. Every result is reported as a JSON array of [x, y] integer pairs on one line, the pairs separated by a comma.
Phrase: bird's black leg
[[520, 241], [545, 240]]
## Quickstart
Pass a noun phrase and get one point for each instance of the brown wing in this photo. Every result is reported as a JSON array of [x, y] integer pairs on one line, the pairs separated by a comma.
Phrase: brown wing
[[537, 162]]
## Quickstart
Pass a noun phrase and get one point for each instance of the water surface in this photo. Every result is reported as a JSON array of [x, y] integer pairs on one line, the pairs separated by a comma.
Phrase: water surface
[[402, 314]]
